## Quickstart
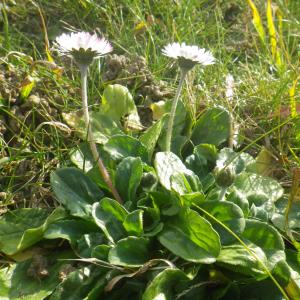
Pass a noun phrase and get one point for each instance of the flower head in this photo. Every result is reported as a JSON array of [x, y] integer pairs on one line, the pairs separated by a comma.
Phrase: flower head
[[188, 56], [83, 47]]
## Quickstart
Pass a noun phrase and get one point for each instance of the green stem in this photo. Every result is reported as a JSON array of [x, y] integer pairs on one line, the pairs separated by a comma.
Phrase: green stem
[[231, 131], [173, 110], [222, 193], [5, 27], [101, 166]]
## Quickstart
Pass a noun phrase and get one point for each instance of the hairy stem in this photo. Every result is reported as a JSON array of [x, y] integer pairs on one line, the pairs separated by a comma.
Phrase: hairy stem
[[222, 193], [231, 131], [101, 166], [173, 110]]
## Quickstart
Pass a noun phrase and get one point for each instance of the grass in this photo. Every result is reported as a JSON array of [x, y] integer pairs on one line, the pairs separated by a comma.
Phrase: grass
[[141, 28]]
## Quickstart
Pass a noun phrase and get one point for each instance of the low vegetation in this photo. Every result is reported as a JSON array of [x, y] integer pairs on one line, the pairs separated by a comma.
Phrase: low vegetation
[[136, 167]]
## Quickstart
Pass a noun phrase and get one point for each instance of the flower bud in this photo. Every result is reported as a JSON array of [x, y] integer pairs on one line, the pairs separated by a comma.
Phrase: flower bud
[[224, 176]]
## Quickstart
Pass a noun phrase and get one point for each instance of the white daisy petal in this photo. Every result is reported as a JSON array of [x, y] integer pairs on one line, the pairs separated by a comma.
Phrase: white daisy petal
[[82, 46], [188, 56]]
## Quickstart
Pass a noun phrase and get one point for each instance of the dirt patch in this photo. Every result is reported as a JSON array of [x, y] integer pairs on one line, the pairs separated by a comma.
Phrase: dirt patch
[[134, 73]]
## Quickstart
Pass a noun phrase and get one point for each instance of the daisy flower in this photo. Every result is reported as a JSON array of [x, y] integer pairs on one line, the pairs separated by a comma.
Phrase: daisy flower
[[83, 47], [188, 56]]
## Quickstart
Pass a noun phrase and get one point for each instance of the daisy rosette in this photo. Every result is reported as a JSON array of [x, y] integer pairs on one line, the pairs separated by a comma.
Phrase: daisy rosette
[[188, 56], [83, 47]]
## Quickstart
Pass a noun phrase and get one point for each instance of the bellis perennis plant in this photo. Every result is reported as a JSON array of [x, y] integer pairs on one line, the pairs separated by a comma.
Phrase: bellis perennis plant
[[187, 57], [84, 47]]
